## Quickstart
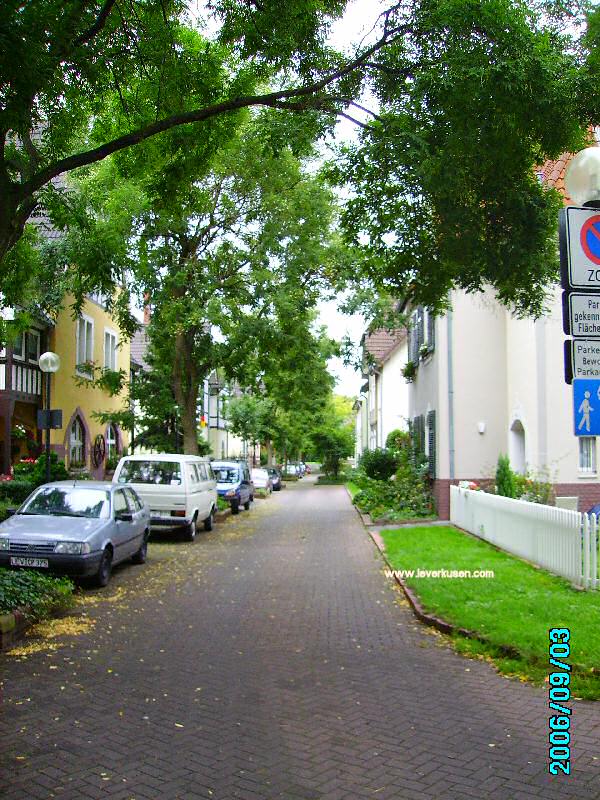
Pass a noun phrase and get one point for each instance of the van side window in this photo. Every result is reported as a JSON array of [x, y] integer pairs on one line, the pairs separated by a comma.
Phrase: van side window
[[201, 471], [192, 473]]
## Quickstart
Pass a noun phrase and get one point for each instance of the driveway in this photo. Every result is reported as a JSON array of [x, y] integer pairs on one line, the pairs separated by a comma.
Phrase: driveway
[[271, 659]]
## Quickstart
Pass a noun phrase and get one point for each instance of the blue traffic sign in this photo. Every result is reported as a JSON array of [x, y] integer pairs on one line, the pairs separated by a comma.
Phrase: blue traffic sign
[[586, 406]]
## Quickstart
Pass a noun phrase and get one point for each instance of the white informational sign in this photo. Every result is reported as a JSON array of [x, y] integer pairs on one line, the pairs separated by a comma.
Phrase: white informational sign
[[583, 247], [586, 358], [583, 314]]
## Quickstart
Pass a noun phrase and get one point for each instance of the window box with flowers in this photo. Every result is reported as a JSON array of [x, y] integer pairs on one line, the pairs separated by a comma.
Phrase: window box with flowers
[[425, 350], [409, 371]]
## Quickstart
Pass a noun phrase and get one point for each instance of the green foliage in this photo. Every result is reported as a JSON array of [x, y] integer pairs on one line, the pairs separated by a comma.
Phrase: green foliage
[[534, 489], [16, 491], [37, 593], [443, 186], [332, 440], [406, 497], [505, 478], [379, 464], [58, 471], [204, 448], [398, 441]]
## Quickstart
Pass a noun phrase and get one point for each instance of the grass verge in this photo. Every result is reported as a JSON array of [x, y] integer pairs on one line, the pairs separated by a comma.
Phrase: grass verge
[[352, 488], [515, 608]]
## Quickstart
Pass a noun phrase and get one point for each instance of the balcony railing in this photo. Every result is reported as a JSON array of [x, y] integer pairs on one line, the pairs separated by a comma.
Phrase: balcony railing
[[22, 378]]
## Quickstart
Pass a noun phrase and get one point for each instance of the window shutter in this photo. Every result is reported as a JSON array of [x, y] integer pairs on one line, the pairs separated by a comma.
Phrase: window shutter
[[430, 330], [431, 443]]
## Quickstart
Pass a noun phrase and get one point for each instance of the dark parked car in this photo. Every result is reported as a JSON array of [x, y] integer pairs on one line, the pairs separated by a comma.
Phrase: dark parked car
[[234, 483], [81, 529], [275, 478]]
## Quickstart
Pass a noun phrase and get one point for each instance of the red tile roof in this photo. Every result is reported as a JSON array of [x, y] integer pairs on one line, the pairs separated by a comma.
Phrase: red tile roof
[[380, 343], [552, 174]]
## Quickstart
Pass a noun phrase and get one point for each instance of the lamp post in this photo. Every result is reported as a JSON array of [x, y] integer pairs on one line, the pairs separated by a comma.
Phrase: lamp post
[[582, 178], [49, 363]]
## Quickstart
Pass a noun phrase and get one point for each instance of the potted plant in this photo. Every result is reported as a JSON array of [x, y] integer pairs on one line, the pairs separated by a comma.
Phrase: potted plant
[[409, 371], [424, 351]]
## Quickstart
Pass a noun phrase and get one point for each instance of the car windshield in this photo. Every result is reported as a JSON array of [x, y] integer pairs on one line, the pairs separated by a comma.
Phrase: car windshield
[[161, 473], [226, 474], [69, 501]]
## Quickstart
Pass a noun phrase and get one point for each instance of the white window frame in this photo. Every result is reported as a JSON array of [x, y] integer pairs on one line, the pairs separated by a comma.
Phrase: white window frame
[[112, 444], [77, 443], [88, 321], [113, 365], [588, 457]]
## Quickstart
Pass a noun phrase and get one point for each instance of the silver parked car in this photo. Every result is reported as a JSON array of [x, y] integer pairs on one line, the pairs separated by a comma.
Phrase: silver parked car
[[77, 528]]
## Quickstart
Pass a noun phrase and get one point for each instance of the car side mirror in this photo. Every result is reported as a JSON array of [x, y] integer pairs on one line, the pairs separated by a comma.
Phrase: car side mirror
[[124, 516]]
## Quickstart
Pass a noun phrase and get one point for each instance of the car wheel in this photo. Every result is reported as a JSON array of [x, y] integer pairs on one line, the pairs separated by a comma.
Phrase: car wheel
[[102, 577], [140, 556], [235, 507], [209, 521], [247, 503], [189, 532]]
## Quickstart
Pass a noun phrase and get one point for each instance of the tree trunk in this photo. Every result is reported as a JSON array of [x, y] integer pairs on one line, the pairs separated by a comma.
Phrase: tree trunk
[[186, 386]]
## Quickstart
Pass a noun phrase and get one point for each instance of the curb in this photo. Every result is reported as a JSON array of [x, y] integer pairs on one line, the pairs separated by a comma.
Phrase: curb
[[221, 515], [430, 619]]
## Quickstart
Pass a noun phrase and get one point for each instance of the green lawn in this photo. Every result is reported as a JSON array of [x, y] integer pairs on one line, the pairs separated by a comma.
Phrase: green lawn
[[516, 608], [353, 489]]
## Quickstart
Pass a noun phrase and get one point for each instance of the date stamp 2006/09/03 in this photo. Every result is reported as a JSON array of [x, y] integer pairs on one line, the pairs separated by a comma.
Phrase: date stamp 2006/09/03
[[560, 694]]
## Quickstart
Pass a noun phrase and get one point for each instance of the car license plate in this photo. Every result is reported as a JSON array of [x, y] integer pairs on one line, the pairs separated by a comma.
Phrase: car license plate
[[17, 561]]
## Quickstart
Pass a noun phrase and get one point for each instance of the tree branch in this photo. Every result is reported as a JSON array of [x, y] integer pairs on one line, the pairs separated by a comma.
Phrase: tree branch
[[95, 29], [271, 99]]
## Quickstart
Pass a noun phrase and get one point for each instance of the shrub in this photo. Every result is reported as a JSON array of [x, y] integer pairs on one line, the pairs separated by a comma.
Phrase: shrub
[[378, 464], [398, 441], [505, 478], [38, 592], [534, 490], [407, 497], [58, 471], [16, 491]]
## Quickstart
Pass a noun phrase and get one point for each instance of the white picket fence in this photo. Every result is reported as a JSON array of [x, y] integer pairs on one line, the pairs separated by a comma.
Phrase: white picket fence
[[561, 541]]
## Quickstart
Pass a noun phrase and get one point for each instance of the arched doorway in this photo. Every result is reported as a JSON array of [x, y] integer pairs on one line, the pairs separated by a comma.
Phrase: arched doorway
[[516, 449]]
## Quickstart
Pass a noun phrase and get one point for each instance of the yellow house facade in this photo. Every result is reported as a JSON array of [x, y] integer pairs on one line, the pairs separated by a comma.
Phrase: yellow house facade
[[83, 442]]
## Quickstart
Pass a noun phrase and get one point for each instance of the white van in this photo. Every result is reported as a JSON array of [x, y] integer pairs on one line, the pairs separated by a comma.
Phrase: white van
[[179, 490]]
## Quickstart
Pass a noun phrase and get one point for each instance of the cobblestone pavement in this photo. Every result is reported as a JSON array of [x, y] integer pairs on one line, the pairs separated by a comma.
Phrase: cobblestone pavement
[[270, 659]]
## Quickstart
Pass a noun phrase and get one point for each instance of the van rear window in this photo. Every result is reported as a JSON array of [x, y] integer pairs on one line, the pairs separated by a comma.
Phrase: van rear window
[[161, 473]]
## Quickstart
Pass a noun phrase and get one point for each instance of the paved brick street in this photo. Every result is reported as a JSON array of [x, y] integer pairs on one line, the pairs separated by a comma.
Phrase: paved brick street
[[271, 659]]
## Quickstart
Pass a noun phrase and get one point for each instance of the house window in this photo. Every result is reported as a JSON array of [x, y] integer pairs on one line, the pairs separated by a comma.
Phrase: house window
[[99, 297], [421, 335], [77, 443], [110, 350], [587, 454], [18, 347], [32, 346], [111, 442], [85, 344]]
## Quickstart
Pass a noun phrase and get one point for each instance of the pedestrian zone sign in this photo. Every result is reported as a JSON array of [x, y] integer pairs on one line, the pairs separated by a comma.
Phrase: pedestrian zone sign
[[586, 407]]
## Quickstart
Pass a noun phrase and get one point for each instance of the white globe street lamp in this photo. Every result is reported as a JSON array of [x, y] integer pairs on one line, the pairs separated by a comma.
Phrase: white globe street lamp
[[49, 362], [582, 178]]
